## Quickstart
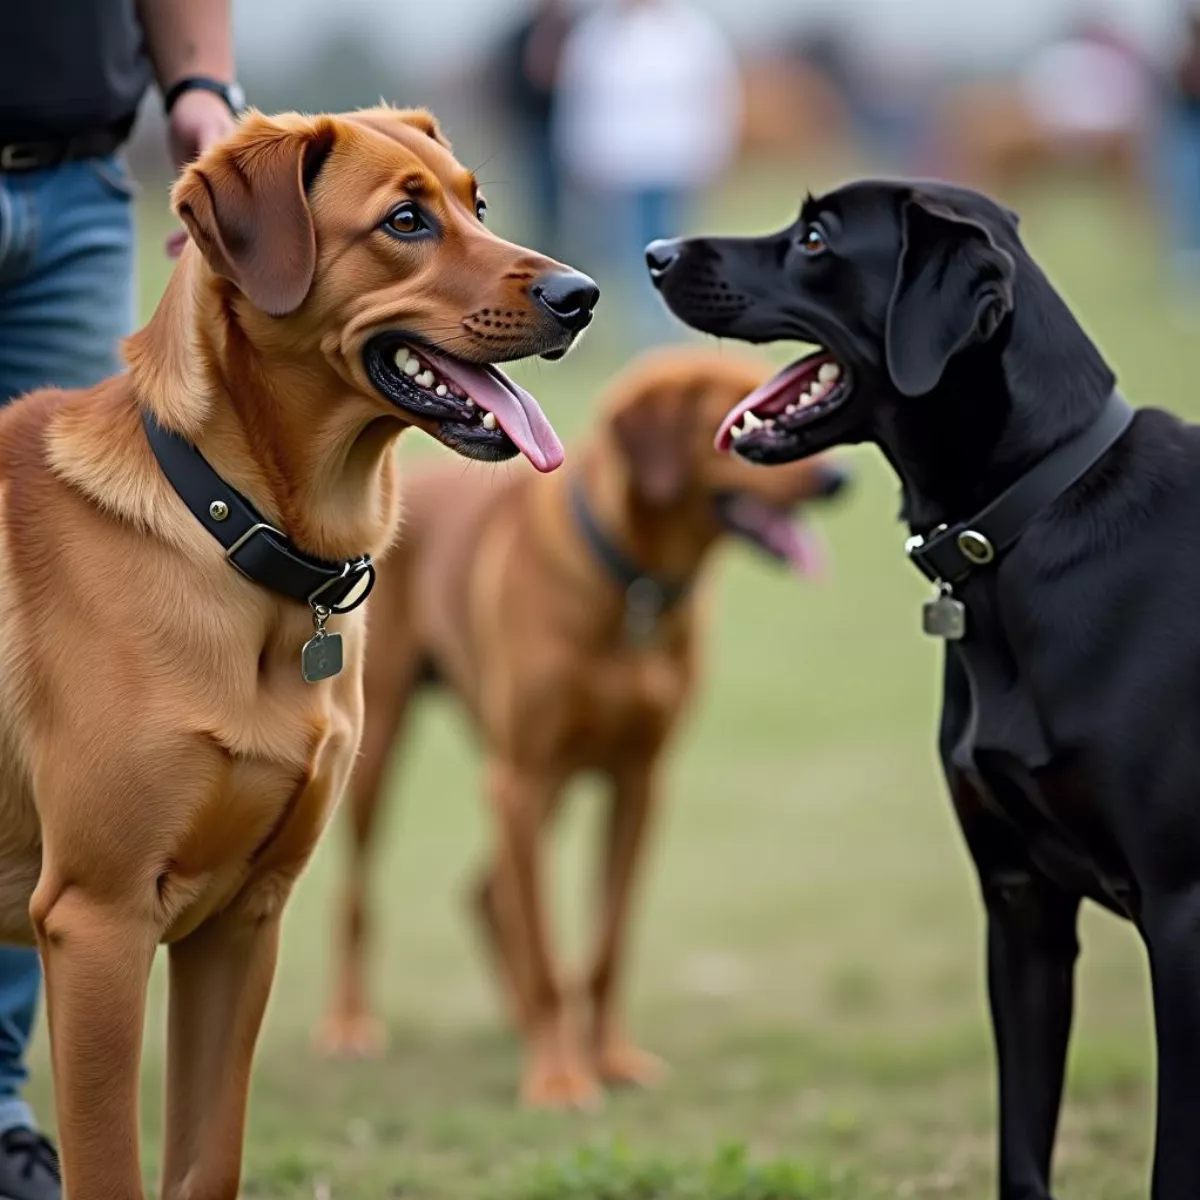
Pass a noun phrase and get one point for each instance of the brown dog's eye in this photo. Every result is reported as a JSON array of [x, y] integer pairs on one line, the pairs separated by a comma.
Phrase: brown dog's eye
[[481, 208], [813, 240], [405, 219]]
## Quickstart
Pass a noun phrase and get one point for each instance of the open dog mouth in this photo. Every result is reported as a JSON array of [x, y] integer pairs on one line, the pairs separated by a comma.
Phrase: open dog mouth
[[476, 409], [764, 427], [777, 532]]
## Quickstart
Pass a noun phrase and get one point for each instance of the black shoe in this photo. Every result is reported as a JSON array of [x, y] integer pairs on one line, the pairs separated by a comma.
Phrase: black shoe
[[28, 1167]]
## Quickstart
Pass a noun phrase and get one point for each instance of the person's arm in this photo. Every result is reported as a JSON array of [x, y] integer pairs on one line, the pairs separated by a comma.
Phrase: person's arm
[[191, 37]]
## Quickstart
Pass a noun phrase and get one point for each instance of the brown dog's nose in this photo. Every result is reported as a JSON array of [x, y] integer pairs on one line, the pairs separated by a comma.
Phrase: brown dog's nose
[[661, 256], [832, 480], [568, 296]]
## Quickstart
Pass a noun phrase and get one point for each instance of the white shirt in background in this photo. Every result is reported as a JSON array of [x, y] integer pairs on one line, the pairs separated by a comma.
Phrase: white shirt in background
[[649, 96]]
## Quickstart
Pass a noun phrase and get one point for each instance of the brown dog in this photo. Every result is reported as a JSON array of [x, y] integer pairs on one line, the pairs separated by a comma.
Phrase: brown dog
[[166, 768], [561, 612]]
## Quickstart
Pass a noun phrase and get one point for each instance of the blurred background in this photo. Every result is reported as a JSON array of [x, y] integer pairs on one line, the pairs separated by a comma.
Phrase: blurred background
[[809, 951]]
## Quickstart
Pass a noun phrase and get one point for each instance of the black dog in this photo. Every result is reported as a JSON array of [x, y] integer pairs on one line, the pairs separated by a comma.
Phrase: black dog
[[1064, 534]]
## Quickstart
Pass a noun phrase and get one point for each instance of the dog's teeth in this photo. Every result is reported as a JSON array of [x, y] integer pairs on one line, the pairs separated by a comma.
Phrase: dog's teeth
[[426, 378], [819, 391], [791, 408], [805, 399], [829, 373], [441, 390], [469, 402], [736, 432], [412, 367], [489, 420], [752, 421], [769, 423]]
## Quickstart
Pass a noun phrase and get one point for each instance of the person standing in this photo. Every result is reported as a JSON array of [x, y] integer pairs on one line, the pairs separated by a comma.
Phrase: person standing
[[649, 108], [529, 62], [72, 75], [1181, 155]]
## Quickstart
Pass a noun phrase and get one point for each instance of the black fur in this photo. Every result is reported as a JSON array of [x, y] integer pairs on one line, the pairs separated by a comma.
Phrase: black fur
[[1070, 731]]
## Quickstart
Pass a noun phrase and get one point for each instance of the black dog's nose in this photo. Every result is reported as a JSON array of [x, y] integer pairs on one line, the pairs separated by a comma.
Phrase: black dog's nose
[[832, 480], [568, 296], [661, 256]]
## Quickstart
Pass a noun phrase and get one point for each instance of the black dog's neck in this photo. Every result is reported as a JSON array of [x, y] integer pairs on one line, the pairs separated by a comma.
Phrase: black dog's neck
[[998, 410]]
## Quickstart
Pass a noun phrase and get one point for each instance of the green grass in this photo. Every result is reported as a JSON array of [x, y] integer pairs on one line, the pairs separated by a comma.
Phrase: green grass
[[808, 952]]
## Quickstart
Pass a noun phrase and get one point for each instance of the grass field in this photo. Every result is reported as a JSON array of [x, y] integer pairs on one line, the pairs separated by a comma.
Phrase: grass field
[[808, 953]]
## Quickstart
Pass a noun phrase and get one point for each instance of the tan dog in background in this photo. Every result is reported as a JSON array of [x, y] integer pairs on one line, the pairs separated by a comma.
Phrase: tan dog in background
[[166, 768], [523, 596]]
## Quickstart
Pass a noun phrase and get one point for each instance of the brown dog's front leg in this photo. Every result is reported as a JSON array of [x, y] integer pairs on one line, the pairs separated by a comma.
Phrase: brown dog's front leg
[[618, 1061], [220, 979], [557, 1074], [97, 962]]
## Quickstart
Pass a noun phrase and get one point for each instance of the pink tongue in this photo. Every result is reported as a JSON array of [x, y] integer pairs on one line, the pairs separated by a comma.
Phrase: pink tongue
[[516, 411], [804, 549], [796, 542]]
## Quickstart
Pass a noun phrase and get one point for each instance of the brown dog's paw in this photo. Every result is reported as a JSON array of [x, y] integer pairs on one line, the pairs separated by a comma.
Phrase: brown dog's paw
[[351, 1035], [556, 1085], [624, 1065]]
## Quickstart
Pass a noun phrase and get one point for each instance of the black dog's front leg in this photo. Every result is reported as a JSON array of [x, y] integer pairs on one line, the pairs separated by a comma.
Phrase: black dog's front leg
[[1172, 931], [1031, 950]]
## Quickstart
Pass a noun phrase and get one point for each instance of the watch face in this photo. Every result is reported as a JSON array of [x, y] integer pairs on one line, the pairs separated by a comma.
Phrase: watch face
[[236, 97]]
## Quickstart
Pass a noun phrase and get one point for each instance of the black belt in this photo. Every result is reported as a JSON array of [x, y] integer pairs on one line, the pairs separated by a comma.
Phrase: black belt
[[16, 158], [949, 553]]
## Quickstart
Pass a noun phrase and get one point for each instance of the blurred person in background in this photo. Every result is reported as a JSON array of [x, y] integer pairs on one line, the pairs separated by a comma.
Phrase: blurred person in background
[[529, 62], [1089, 94], [1182, 158], [649, 107], [72, 75]]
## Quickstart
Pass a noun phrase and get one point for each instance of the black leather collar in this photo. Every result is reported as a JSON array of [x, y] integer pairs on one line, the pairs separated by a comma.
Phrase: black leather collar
[[647, 596], [950, 553], [260, 552]]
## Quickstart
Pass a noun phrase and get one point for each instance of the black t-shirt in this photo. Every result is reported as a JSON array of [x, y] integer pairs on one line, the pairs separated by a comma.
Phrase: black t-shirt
[[69, 67]]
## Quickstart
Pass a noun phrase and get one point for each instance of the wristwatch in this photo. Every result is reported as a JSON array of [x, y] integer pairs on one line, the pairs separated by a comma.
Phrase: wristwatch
[[230, 92]]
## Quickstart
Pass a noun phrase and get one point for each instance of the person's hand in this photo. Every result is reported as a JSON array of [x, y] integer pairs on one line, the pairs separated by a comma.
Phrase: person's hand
[[197, 120]]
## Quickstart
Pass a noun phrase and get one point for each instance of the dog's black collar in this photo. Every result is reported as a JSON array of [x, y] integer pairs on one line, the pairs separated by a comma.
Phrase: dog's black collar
[[261, 553], [648, 597], [949, 553]]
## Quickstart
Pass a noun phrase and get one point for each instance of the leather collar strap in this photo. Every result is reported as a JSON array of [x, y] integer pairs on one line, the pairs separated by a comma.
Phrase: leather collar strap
[[951, 552], [653, 595], [258, 551]]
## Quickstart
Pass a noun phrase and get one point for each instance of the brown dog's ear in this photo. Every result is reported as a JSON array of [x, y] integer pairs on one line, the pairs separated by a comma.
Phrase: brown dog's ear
[[245, 204], [653, 436], [954, 288]]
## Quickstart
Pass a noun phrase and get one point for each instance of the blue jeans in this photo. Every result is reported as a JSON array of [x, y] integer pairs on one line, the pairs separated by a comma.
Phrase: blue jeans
[[66, 300], [650, 214], [1180, 167]]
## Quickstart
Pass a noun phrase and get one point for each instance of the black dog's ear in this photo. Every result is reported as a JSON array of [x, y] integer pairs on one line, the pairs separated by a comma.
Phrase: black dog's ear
[[954, 287]]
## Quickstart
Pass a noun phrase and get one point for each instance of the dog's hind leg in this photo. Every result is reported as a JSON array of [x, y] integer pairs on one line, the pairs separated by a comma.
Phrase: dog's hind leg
[[619, 1061], [350, 1029]]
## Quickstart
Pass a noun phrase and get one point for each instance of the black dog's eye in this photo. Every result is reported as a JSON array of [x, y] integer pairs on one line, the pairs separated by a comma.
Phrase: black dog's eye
[[812, 240], [481, 208], [405, 219]]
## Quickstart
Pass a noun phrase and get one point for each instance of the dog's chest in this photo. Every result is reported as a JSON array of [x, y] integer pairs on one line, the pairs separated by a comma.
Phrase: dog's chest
[[634, 694], [278, 768]]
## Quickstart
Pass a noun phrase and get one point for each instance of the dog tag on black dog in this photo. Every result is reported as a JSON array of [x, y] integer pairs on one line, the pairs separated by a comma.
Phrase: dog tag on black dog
[[944, 617], [321, 657]]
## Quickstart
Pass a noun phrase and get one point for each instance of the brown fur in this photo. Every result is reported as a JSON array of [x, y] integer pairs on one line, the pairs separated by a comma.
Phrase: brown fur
[[165, 770], [492, 584]]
